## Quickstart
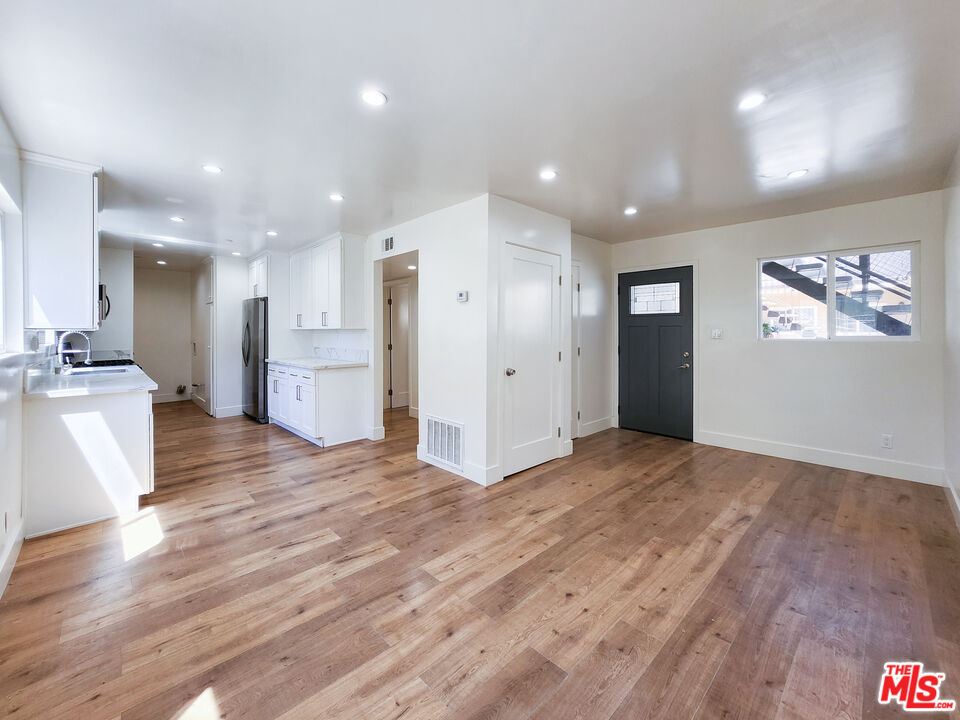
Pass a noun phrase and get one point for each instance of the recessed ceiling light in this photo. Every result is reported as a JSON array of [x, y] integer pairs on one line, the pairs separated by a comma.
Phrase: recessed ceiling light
[[630, 210], [271, 233], [794, 174], [213, 169], [751, 100], [176, 218], [158, 244], [336, 197], [411, 267], [235, 254], [161, 262], [548, 174], [374, 97]]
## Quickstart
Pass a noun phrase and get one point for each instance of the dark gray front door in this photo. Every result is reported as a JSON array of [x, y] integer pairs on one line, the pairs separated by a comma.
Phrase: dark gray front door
[[656, 351]]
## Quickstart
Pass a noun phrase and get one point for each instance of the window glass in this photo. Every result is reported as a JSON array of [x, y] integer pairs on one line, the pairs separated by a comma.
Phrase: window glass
[[655, 299], [793, 298], [874, 292]]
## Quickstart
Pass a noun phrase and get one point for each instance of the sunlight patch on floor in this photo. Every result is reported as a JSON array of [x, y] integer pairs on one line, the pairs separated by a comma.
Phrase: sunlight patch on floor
[[204, 707], [140, 533]]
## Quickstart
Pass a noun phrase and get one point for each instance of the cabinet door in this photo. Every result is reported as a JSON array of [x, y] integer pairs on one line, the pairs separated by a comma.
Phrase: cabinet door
[[252, 279], [262, 276], [334, 316], [301, 290], [61, 247], [308, 410], [294, 404], [277, 397], [318, 278]]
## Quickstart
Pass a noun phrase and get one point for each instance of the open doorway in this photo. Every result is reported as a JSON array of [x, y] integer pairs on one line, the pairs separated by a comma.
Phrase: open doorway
[[400, 343]]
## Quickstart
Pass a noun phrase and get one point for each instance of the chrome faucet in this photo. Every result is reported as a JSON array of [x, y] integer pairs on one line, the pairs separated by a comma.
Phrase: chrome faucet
[[61, 353]]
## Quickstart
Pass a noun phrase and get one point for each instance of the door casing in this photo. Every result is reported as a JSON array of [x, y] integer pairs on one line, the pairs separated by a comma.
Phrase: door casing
[[615, 360]]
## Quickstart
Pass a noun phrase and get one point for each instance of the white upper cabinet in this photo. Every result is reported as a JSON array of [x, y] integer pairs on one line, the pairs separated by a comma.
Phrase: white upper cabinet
[[257, 276], [61, 248], [326, 284], [301, 290]]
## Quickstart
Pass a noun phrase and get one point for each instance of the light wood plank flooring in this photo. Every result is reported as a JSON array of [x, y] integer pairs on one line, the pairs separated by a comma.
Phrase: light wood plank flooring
[[643, 577]]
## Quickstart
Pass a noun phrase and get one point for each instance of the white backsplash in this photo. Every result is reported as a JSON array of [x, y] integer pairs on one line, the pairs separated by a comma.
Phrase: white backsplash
[[348, 345]]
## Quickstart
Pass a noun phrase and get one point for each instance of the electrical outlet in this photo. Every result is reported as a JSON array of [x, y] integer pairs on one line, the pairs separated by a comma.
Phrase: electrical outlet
[[886, 441]]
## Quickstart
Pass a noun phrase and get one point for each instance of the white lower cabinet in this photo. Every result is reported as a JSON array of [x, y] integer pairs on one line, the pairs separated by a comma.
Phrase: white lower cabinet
[[322, 406]]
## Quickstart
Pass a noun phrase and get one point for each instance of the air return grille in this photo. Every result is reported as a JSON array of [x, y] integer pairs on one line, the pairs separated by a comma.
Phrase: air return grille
[[445, 442], [388, 244]]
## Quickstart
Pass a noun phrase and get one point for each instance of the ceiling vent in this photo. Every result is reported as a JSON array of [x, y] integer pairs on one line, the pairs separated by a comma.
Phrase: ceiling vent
[[445, 442], [388, 244]]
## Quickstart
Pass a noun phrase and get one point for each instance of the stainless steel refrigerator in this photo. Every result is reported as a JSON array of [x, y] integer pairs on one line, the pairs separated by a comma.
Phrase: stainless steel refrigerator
[[253, 347]]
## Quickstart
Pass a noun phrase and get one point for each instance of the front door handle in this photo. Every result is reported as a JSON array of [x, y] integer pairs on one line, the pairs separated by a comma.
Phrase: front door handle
[[511, 371], [685, 366]]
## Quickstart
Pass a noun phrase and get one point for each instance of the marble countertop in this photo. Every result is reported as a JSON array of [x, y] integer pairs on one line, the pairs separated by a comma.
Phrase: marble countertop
[[316, 363], [53, 385]]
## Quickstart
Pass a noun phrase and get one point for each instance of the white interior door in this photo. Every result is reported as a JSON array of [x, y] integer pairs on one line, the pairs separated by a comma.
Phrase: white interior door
[[531, 352], [396, 334], [400, 355], [575, 356]]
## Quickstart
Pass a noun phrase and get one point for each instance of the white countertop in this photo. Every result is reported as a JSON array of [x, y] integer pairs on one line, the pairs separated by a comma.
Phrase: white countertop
[[315, 363], [53, 385]]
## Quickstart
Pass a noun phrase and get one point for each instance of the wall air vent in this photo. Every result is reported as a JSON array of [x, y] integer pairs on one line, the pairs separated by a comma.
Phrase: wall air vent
[[388, 244], [445, 442]]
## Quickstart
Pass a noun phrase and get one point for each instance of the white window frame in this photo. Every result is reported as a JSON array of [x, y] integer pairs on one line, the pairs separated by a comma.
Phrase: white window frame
[[831, 255]]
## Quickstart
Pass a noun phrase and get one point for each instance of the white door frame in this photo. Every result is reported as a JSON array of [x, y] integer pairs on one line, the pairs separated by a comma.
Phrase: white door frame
[[557, 395], [576, 331]]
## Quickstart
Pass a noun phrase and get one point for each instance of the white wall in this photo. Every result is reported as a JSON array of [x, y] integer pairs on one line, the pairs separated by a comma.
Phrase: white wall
[[827, 401], [952, 345], [597, 319], [11, 361], [230, 290], [116, 331], [452, 245], [511, 222], [162, 335]]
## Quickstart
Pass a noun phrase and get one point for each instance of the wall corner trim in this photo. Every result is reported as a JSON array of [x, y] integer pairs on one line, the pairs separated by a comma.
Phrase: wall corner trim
[[9, 555]]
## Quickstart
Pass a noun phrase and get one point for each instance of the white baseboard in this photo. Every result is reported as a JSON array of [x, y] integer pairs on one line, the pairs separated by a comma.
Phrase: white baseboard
[[201, 403], [169, 397], [953, 499], [832, 458], [566, 448], [230, 411], [414, 412], [376, 433], [594, 426], [9, 555]]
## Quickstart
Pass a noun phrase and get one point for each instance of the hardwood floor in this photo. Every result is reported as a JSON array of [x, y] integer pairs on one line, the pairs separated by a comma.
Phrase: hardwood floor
[[642, 577]]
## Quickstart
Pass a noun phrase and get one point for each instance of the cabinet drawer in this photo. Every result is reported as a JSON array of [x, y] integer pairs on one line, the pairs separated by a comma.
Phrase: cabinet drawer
[[303, 377]]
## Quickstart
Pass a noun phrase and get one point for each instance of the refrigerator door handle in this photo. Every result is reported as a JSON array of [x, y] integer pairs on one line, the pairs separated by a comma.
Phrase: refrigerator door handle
[[245, 345]]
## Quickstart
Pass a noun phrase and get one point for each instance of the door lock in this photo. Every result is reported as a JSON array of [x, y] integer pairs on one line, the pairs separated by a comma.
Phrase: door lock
[[511, 371], [685, 355]]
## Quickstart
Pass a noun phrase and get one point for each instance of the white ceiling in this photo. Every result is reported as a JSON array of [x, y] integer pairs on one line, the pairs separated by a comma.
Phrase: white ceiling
[[396, 267], [633, 101]]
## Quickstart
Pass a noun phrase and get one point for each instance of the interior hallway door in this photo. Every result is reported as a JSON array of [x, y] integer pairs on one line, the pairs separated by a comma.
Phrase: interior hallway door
[[656, 351], [531, 342]]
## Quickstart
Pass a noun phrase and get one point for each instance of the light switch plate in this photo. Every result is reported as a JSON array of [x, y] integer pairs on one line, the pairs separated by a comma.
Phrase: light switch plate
[[462, 296], [716, 334]]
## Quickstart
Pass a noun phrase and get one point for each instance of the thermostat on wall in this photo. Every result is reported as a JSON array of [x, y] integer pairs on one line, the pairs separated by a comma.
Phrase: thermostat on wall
[[462, 296]]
